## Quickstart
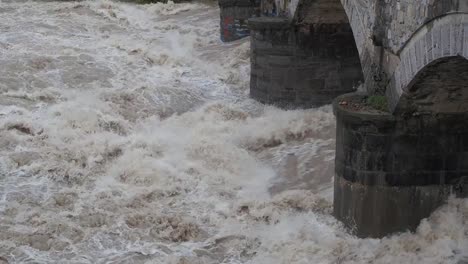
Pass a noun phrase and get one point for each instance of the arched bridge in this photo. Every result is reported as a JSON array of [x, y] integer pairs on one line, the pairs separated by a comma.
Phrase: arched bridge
[[399, 43], [402, 144]]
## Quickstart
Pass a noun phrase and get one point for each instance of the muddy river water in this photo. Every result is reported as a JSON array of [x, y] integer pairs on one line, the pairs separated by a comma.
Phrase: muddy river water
[[127, 136]]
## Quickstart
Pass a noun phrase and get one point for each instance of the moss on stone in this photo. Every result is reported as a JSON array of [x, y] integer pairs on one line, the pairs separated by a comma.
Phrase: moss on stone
[[378, 102]]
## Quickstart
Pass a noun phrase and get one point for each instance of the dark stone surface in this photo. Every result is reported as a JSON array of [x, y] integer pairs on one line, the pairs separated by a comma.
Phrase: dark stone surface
[[441, 86], [395, 39], [376, 210], [301, 66], [392, 171], [234, 17]]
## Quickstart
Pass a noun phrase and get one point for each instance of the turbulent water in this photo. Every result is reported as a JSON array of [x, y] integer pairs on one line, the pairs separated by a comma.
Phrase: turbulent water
[[127, 136]]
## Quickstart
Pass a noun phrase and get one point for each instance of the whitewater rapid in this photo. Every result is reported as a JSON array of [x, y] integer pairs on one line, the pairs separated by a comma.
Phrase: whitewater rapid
[[127, 136]]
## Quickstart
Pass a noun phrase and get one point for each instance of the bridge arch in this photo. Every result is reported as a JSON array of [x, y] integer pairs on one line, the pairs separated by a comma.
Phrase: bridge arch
[[362, 24], [436, 54], [395, 168], [304, 55]]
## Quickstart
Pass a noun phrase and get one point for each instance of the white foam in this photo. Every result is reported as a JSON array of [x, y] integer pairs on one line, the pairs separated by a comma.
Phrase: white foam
[[127, 135]]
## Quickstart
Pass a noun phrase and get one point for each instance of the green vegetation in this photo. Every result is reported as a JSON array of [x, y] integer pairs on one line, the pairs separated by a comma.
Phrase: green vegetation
[[378, 102]]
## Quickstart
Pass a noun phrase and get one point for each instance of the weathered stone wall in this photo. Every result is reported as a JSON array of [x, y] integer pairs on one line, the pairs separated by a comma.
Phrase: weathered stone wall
[[282, 8], [302, 66], [321, 12], [399, 20], [439, 39], [440, 87], [393, 171], [234, 16], [391, 23], [387, 32]]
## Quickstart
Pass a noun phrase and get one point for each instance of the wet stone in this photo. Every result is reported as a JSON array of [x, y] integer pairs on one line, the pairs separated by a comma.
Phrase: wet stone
[[389, 181], [305, 66]]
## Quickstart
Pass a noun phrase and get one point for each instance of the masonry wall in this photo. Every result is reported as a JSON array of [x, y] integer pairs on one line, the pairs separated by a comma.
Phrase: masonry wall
[[397, 21], [441, 87], [393, 171], [301, 66]]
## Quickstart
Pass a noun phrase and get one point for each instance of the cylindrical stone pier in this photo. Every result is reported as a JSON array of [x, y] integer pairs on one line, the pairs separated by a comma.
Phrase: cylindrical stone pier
[[234, 17], [301, 66], [393, 171]]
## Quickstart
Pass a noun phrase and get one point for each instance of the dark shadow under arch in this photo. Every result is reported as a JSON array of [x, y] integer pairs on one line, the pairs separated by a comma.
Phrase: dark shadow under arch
[[308, 62], [440, 87], [324, 28]]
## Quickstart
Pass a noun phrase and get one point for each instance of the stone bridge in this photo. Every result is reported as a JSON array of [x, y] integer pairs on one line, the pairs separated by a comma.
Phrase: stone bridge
[[399, 43], [402, 142]]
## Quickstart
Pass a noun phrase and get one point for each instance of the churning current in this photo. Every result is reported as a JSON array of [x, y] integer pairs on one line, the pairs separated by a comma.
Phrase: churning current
[[127, 136]]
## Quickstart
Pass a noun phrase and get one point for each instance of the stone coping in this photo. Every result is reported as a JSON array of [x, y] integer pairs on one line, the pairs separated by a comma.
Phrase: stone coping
[[359, 115], [376, 148]]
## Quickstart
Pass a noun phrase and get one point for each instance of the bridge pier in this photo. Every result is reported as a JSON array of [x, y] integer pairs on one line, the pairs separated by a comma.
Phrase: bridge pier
[[393, 167], [392, 171], [302, 66], [234, 17]]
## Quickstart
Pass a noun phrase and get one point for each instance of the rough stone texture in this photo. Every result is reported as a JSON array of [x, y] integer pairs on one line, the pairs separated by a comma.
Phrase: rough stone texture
[[321, 12], [376, 211], [395, 39], [393, 171], [284, 8], [440, 87], [302, 66], [234, 16], [442, 39]]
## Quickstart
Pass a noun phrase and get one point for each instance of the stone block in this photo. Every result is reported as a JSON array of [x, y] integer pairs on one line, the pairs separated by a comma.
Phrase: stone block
[[446, 40], [405, 70], [423, 51], [280, 61], [465, 40], [392, 95], [463, 160], [463, 140], [429, 47], [376, 211], [302, 62], [451, 162], [418, 55], [437, 43], [412, 60], [455, 39]]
